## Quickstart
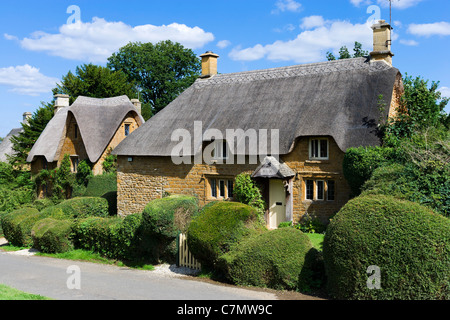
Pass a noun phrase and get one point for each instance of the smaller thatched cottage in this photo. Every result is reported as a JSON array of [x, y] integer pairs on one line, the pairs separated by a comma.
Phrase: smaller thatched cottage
[[87, 130], [288, 127], [6, 146]]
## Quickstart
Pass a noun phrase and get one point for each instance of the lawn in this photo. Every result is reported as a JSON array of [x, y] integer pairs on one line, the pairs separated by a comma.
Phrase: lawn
[[316, 240], [8, 293]]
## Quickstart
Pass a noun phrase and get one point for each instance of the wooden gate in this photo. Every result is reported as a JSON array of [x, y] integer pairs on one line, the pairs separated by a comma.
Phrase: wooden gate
[[185, 258]]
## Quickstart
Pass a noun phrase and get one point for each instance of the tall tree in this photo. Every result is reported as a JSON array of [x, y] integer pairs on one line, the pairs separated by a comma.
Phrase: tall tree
[[24, 141], [345, 54], [95, 81], [162, 71]]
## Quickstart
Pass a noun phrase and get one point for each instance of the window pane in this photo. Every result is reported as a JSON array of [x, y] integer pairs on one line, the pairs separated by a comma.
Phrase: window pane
[[224, 149], [127, 130], [222, 188], [320, 189], [212, 182], [230, 188], [331, 190], [314, 148], [324, 148], [309, 189]]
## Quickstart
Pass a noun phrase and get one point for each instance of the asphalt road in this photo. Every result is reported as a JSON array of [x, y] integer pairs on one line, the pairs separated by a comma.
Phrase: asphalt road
[[60, 279]]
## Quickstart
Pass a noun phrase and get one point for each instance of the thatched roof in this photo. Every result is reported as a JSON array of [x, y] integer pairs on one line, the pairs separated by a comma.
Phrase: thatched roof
[[6, 146], [334, 99], [97, 120]]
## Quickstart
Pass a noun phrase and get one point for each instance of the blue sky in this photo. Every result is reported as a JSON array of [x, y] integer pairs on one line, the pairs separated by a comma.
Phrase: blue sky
[[40, 41]]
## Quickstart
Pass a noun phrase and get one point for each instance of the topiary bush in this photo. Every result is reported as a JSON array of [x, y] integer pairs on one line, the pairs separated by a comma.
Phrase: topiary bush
[[163, 219], [17, 226], [52, 236], [407, 241], [246, 191], [113, 237], [218, 227], [281, 259], [83, 207]]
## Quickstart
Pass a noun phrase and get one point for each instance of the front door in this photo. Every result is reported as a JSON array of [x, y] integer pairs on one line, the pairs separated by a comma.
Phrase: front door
[[277, 203]]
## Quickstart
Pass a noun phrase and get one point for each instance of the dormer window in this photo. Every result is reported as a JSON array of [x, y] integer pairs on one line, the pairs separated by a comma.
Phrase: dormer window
[[127, 129], [220, 151], [318, 149]]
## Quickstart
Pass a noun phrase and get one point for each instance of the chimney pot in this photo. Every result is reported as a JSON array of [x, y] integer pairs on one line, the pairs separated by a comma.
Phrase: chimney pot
[[209, 64], [61, 101], [26, 117]]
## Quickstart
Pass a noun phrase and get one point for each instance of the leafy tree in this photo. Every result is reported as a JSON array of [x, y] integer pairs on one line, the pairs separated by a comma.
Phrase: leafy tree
[[162, 71], [95, 82], [345, 54], [24, 141]]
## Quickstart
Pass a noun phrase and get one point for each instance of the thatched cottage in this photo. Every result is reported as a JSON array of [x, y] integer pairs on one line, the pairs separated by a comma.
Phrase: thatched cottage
[[86, 130], [6, 146], [289, 127]]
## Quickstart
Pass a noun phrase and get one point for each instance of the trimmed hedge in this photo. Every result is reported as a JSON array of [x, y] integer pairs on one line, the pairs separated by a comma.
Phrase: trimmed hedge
[[218, 227], [281, 259], [17, 226], [163, 219], [84, 207], [52, 235], [112, 237], [407, 241]]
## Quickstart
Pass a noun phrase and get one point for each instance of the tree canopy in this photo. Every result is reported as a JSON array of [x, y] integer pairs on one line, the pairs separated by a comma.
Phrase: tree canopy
[[160, 71], [96, 82], [345, 54]]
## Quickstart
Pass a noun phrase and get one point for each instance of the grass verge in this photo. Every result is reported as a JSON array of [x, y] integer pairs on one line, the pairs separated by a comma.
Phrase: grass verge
[[316, 240], [8, 293]]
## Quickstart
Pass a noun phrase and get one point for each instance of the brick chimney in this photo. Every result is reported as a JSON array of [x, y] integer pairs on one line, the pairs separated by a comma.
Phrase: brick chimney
[[382, 42], [209, 64], [61, 101], [137, 104]]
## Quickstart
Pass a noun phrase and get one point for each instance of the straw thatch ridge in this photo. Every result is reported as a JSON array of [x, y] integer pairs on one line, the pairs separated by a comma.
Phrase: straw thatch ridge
[[335, 99]]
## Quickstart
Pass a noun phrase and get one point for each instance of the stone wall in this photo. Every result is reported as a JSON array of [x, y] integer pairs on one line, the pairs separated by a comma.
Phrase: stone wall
[[142, 179]]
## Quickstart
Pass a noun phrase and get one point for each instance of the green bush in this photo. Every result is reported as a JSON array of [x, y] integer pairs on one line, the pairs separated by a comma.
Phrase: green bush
[[281, 259], [163, 219], [407, 241], [112, 237], [246, 191], [83, 207], [12, 199], [52, 235], [42, 204], [17, 226], [101, 184], [359, 163], [218, 227]]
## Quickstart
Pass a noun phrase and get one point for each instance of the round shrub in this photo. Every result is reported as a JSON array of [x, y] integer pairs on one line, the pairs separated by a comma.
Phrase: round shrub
[[85, 207], [281, 259], [163, 219], [218, 227], [409, 243], [52, 235], [17, 226]]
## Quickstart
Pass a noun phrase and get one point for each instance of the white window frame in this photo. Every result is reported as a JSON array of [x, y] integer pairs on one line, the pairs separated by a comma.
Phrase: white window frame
[[316, 187], [311, 156], [218, 153], [306, 189], [214, 183]]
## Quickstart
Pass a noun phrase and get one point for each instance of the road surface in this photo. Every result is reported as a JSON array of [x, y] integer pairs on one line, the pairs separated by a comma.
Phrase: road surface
[[75, 280]]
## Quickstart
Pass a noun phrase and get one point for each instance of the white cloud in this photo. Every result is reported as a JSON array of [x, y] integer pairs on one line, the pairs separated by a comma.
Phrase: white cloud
[[26, 80], [95, 41], [312, 22], [445, 91], [430, 29], [309, 45], [223, 44], [409, 42], [287, 5]]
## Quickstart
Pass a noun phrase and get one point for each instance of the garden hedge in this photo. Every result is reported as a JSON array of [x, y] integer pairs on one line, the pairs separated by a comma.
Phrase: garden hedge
[[163, 219], [218, 227], [409, 243], [84, 207], [52, 235], [113, 237], [281, 259], [17, 226]]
